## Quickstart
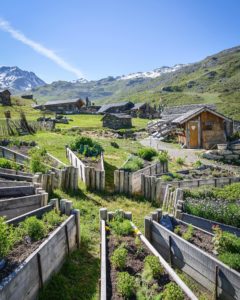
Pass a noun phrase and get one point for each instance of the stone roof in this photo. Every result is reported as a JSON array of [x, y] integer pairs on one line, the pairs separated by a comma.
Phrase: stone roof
[[138, 105], [105, 107], [119, 116], [68, 101]]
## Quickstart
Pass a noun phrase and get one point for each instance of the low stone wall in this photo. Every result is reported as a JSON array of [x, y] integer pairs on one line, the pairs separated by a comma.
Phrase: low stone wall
[[94, 178], [230, 154], [131, 183], [154, 188], [202, 267], [26, 281]]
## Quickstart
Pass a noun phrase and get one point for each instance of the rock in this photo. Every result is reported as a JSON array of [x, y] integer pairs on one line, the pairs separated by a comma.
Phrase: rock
[[237, 152], [231, 156], [212, 156], [235, 147], [224, 152]]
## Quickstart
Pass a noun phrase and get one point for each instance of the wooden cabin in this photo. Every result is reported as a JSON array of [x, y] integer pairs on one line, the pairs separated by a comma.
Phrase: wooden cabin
[[202, 128], [117, 121], [5, 98]]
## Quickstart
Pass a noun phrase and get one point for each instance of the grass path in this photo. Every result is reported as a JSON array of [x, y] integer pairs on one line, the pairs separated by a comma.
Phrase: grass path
[[79, 276]]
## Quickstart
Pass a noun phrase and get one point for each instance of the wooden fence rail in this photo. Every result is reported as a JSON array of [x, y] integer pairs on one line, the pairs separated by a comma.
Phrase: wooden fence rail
[[94, 178], [131, 183]]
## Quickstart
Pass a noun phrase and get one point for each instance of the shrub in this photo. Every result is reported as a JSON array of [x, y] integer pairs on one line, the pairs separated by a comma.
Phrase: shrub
[[53, 219], [119, 258], [172, 292], [115, 145], [6, 238], [163, 156], [198, 164], [153, 263], [35, 229], [231, 259], [189, 233], [121, 227], [4, 163], [134, 164], [225, 241], [166, 178], [86, 146], [125, 284], [177, 230], [177, 176], [36, 165], [180, 161], [147, 153]]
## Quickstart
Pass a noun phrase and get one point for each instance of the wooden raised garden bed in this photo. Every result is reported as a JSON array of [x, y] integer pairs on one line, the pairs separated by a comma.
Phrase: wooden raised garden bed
[[30, 263], [194, 257], [130, 182], [135, 251], [90, 172]]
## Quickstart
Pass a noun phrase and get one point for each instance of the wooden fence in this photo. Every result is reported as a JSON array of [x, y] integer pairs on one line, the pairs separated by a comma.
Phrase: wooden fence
[[94, 178], [27, 279], [130, 182], [153, 188], [202, 267], [105, 216]]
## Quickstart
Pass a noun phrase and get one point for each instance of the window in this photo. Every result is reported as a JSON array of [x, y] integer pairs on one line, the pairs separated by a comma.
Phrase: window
[[208, 125]]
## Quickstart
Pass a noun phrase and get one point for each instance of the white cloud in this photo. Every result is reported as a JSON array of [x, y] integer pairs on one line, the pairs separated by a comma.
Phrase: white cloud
[[50, 54]]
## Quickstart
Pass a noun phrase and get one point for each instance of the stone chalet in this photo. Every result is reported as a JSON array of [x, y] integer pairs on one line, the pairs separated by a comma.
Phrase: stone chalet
[[144, 110], [62, 106], [121, 107], [5, 98], [117, 121]]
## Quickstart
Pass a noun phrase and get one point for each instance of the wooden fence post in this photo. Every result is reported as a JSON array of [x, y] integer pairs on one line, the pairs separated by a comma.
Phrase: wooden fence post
[[63, 205], [103, 214], [68, 207], [76, 212], [148, 228]]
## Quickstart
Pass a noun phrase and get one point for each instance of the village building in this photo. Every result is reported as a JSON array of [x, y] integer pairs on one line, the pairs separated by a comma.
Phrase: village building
[[196, 126], [62, 106], [121, 107], [117, 121], [5, 98], [144, 110], [28, 97]]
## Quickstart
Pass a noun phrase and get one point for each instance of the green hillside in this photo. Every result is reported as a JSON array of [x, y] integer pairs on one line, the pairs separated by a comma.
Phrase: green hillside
[[215, 79]]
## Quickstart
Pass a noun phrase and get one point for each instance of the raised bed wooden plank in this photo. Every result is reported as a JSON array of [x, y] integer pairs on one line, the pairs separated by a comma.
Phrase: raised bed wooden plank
[[16, 191], [208, 224], [199, 262], [25, 282]]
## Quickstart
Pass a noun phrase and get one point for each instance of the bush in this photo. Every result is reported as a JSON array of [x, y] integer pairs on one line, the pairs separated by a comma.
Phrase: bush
[[225, 241], [35, 229], [180, 161], [36, 165], [7, 164], [121, 227], [189, 233], [163, 156], [231, 259], [134, 164], [86, 146], [198, 164], [6, 238], [147, 153], [166, 178], [53, 219], [153, 263], [125, 284], [172, 292], [177, 176], [115, 145], [119, 258]]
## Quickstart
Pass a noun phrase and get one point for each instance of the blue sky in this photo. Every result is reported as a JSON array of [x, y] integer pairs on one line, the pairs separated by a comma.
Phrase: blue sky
[[98, 38]]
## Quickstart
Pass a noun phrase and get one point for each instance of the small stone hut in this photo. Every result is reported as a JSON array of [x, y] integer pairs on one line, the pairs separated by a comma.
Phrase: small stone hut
[[117, 121], [144, 110], [5, 98]]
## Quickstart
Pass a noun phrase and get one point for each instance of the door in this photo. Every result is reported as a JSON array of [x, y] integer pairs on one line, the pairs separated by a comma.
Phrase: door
[[193, 134]]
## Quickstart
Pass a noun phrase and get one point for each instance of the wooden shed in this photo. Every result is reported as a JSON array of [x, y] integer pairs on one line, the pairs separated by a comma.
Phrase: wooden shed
[[202, 128], [5, 98], [117, 121]]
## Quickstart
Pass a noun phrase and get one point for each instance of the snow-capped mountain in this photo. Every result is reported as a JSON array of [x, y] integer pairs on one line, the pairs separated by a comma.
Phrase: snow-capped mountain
[[152, 74], [15, 79]]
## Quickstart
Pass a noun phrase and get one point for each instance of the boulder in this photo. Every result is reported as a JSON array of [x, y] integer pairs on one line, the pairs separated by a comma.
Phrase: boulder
[[231, 157], [224, 152], [212, 156]]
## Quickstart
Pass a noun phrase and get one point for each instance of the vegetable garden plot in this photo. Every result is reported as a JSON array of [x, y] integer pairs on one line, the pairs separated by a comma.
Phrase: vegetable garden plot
[[192, 258], [130, 267], [37, 249]]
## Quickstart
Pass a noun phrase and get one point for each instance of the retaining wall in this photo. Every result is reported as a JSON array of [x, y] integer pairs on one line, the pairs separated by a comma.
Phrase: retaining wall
[[202, 267], [131, 183], [24, 283], [94, 178]]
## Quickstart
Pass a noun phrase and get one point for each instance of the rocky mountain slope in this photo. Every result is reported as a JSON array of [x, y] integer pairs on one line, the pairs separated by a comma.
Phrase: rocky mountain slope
[[15, 79]]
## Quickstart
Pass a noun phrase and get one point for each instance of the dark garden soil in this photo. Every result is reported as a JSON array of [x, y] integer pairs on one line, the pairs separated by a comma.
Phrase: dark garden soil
[[22, 149], [89, 161], [135, 265], [20, 252], [199, 238]]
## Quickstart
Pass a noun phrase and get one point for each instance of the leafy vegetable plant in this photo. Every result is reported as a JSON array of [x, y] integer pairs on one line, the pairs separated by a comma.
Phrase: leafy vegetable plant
[[119, 258], [125, 284]]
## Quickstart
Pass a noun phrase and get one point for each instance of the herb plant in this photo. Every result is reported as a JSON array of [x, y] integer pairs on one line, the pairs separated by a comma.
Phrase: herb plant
[[119, 258], [125, 284]]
